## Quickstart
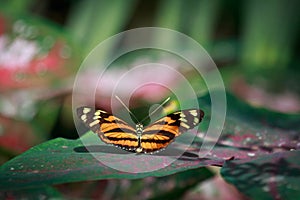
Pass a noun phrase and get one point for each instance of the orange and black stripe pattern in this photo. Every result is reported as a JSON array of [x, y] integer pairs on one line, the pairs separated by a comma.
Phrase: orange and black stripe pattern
[[157, 136]]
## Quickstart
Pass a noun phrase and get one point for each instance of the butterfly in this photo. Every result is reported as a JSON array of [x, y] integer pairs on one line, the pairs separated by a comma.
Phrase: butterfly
[[150, 139]]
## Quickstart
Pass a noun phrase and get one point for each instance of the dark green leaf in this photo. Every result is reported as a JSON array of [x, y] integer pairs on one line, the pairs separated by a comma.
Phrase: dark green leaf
[[61, 160]]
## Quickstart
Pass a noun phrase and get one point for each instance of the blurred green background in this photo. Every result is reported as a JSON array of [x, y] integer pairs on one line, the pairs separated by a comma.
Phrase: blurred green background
[[255, 44]]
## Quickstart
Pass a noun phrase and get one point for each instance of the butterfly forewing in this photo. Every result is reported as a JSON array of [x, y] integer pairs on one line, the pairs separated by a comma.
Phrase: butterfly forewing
[[162, 132], [155, 137], [109, 128]]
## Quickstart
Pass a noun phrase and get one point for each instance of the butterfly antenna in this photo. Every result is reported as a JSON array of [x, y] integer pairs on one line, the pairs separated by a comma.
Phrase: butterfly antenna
[[126, 108], [156, 109]]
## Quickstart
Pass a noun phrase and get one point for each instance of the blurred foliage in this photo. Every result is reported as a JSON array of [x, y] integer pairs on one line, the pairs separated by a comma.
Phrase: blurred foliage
[[255, 41], [269, 177]]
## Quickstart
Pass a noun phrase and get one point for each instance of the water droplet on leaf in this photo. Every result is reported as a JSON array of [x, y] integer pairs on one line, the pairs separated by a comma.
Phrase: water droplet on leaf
[[251, 154]]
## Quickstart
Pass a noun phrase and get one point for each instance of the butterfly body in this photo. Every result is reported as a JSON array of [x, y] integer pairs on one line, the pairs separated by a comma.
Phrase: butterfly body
[[150, 139], [139, 131]]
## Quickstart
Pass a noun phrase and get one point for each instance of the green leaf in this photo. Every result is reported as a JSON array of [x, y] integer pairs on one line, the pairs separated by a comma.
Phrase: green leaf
[[245, 136], [61, 160], [275, 176]]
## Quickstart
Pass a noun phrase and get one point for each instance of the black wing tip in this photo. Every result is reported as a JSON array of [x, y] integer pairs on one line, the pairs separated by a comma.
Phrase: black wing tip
[[79, 110]]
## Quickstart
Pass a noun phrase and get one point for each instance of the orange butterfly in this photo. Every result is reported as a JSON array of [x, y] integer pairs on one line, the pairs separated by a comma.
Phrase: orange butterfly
[[150, 139]]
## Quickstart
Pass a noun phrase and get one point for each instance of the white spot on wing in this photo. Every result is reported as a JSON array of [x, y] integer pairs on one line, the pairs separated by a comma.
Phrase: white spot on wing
[[96, 117], [86, 110], [193, 112], [183, 119], [83, 117], [184, 125], [94, 123]]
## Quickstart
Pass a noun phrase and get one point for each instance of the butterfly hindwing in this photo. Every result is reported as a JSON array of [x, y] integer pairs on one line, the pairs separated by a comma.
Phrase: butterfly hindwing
[[109, 128], [162, 132]]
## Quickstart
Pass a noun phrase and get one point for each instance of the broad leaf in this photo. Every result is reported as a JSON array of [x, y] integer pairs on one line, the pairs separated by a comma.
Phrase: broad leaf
[[245, 136], [61, 160]]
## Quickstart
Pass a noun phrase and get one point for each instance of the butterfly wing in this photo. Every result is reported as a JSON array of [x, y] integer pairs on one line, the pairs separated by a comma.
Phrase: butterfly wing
[[109, 128], [162, 132]]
